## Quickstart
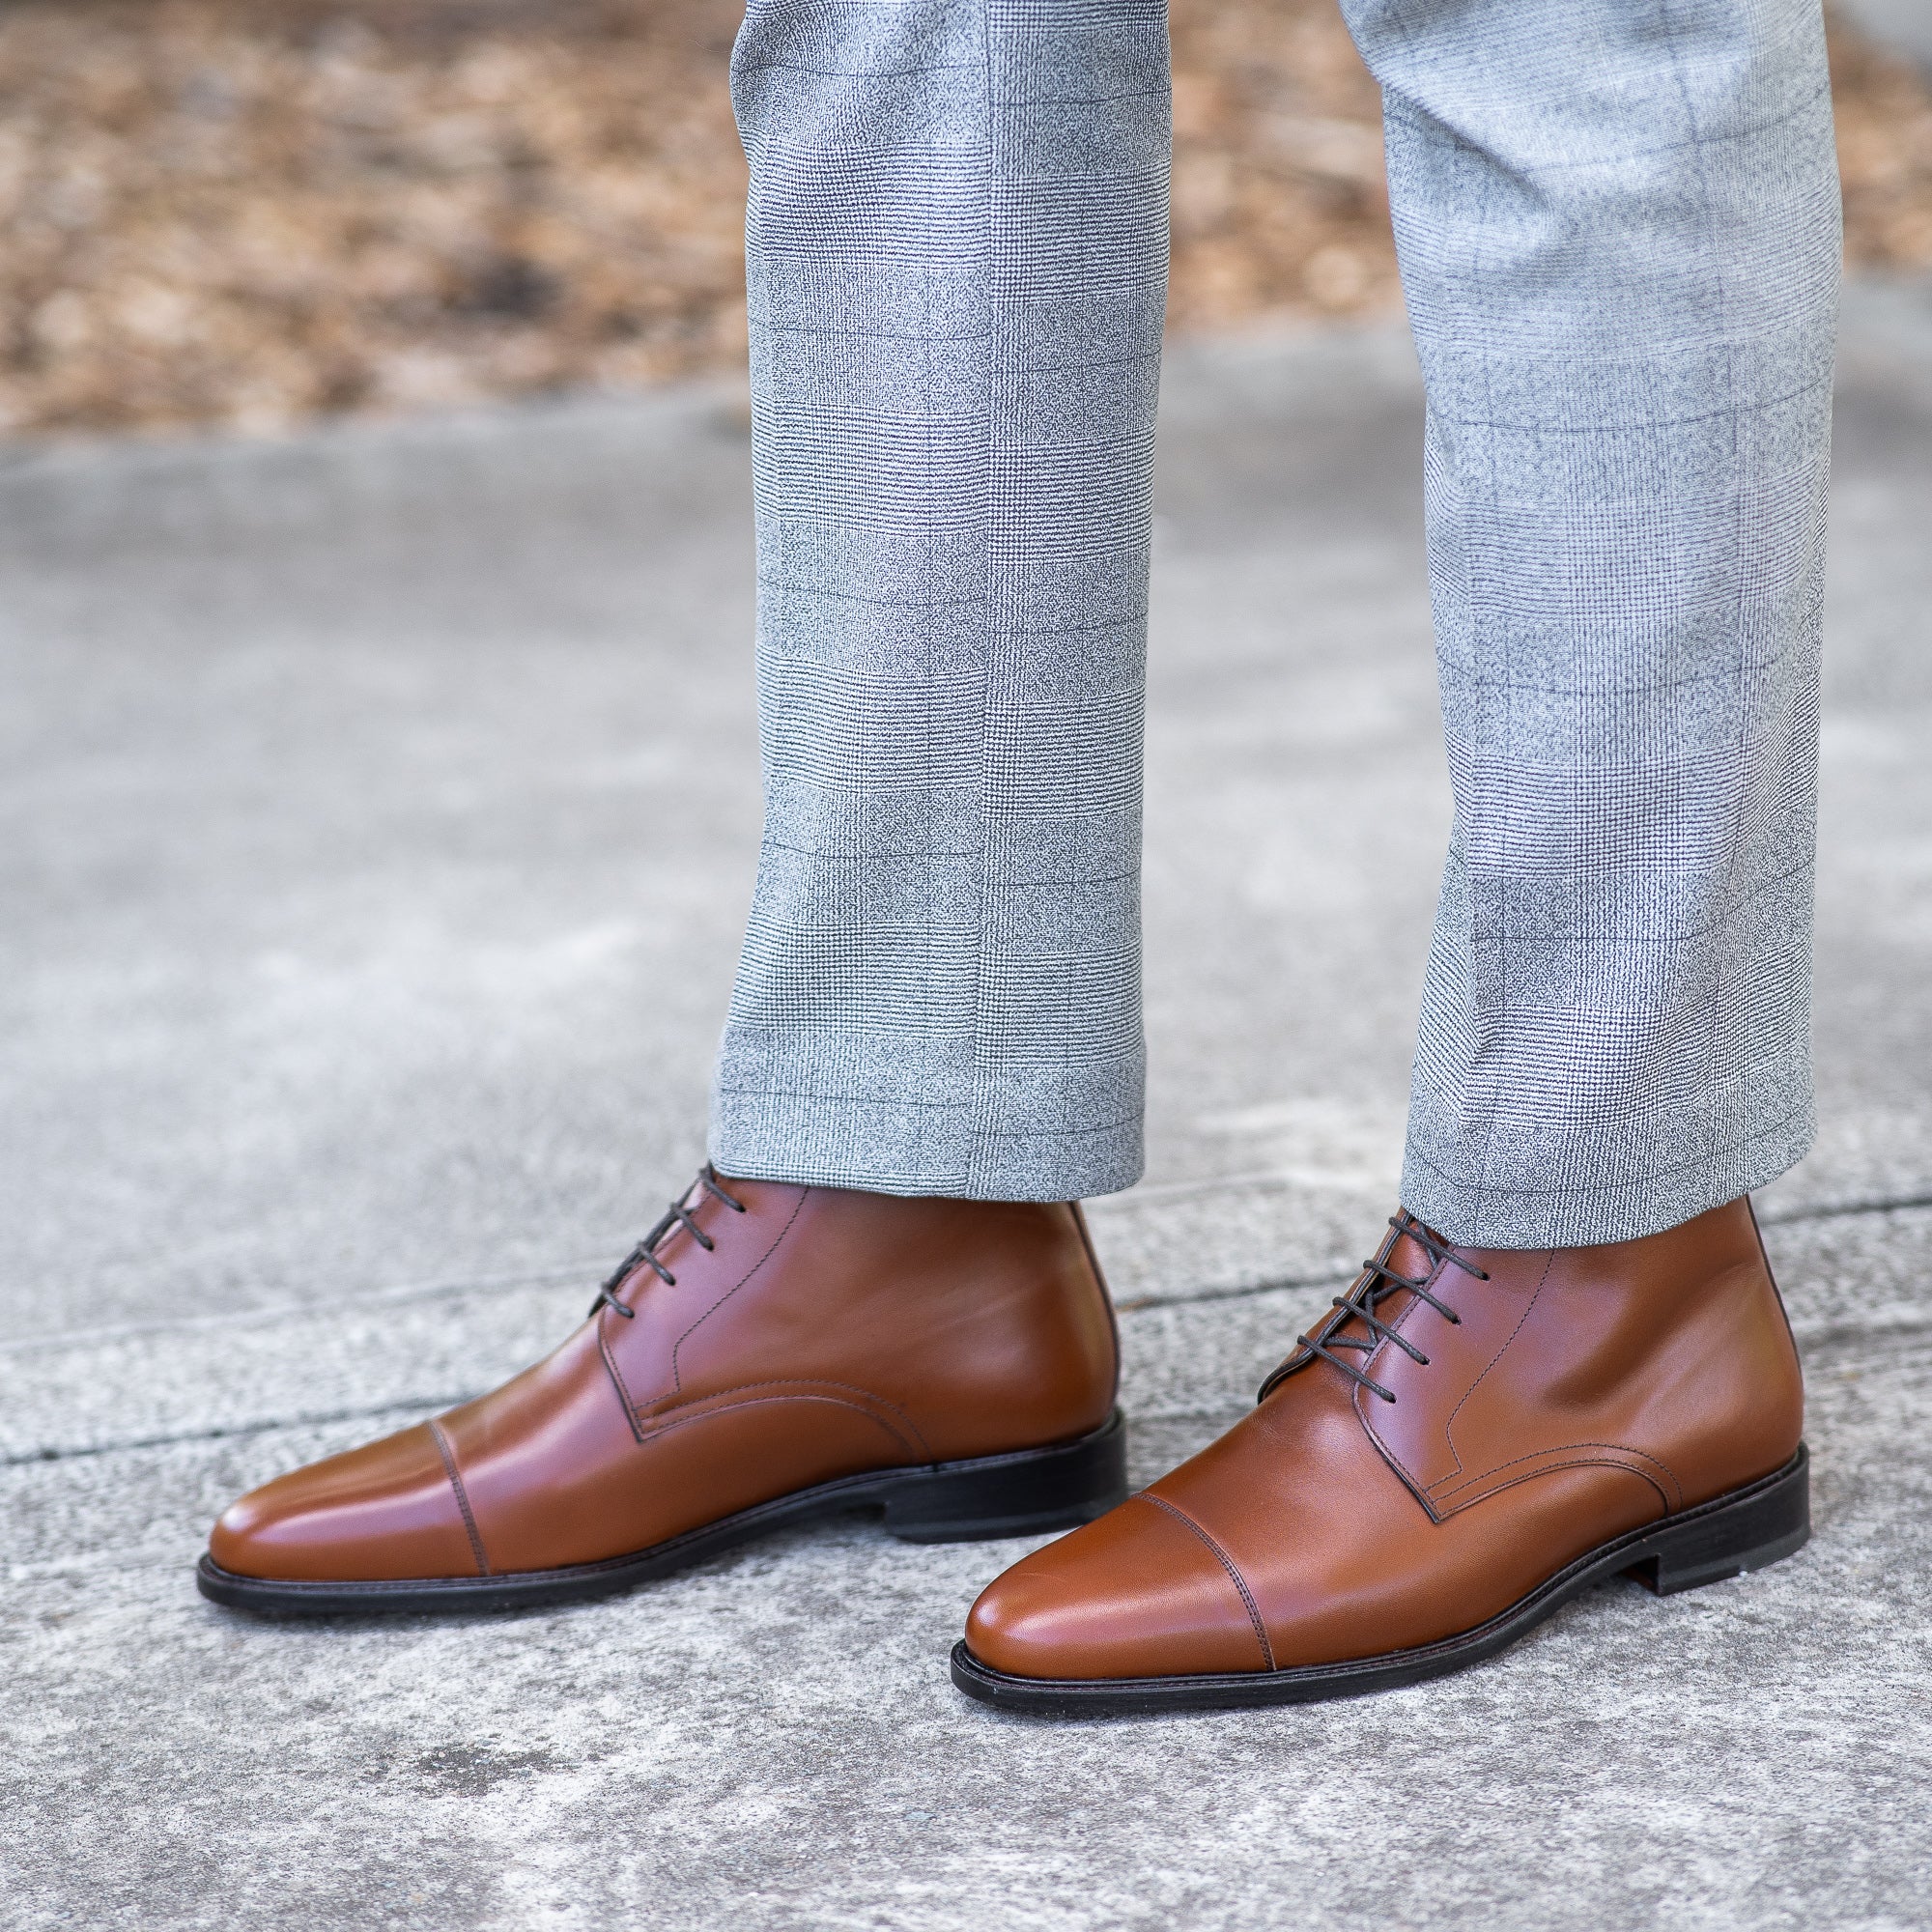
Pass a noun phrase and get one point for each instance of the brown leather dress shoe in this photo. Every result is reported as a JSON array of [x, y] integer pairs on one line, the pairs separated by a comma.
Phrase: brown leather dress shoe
[[766, 1353], [1470, 1440]]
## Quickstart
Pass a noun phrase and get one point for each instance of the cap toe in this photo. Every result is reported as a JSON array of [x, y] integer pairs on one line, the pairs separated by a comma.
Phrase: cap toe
[[382, 1512], [1141, 1592]]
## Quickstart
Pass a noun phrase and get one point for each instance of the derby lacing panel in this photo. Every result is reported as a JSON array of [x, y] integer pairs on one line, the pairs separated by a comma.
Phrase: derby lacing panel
[[645, 1253], [1377, 1282]]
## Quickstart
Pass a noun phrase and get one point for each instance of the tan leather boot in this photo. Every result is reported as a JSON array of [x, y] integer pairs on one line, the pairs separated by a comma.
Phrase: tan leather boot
[[766, 1353], [1470, 1440]]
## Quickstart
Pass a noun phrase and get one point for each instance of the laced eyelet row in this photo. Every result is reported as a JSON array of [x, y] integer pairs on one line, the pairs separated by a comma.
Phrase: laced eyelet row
[[1377, 1282], [645, 1253]]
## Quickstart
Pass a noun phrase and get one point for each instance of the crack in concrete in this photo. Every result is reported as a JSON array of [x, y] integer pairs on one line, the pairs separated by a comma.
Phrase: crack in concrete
[[563, 1272], [304, 1311], [1830, 1210], [1834, 1210], [1238, 1291], [220, 1432], [1814, 1339], [1820, 1337]]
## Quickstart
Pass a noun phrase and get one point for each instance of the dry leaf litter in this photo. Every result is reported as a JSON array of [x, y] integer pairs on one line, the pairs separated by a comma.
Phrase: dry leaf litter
[[249, 212]]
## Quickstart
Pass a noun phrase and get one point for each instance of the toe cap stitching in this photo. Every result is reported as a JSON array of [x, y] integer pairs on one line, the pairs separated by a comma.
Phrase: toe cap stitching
[[1227, 1563], [448, 1456]]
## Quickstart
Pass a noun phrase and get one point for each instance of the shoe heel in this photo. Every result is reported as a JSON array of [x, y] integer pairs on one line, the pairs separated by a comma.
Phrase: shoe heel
[[1024, 1494], [1747, 1530]]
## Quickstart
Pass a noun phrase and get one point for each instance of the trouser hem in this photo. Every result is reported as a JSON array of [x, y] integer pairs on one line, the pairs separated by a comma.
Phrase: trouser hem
[[814, 1142], [1585, 1213]]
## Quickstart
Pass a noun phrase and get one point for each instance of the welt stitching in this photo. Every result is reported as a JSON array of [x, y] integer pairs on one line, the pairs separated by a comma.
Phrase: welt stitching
[[449, 1468], [1227, 1563]]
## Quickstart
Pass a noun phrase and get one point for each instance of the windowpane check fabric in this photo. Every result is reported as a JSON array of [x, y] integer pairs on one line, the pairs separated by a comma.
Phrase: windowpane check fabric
[[1618, 229], [958, 259]]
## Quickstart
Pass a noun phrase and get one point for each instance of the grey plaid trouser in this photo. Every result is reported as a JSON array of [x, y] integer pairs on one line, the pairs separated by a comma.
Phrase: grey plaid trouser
[[1619, 237]]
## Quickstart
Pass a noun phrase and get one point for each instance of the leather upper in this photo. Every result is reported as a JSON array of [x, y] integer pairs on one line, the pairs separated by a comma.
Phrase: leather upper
[[826, 1333], [1580, 1393]]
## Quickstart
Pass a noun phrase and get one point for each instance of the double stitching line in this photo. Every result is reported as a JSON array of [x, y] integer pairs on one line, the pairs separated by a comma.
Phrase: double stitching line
[[630, 1405], [1227, 1563], [448, 1456], [1671, 1502], [1528, 1309], [800, 1389]]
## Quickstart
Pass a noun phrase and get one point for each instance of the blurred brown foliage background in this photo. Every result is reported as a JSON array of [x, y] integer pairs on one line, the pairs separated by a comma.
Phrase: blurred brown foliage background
[[253, 212]]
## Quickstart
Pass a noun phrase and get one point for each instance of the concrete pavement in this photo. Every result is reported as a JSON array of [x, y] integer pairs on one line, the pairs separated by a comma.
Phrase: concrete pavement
[[376, 823]]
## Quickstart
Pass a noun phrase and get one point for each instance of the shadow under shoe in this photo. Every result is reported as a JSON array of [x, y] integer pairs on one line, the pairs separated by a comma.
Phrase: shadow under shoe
[[767, 1354], [1470, 1439]]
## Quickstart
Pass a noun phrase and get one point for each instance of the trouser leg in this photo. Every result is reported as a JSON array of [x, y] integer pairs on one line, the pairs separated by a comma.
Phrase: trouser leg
[[1618, 226], [957, 248]]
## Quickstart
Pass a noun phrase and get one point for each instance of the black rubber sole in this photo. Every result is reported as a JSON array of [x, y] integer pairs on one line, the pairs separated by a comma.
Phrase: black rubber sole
[[1746, 1530], [1025, 1492]]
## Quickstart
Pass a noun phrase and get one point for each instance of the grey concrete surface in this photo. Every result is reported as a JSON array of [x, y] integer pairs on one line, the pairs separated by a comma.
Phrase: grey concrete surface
[[376, 816]]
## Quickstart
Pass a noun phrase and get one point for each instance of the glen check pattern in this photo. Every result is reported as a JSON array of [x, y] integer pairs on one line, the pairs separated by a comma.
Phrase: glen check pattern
[[957, 253], [1618, 223], [1618, 227]]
